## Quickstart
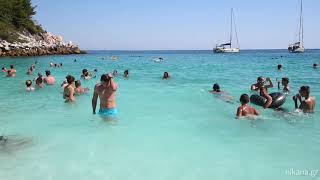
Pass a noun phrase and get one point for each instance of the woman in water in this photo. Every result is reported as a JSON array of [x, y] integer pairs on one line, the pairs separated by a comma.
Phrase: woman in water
[[263, 88], [39, 81], [69, 90]]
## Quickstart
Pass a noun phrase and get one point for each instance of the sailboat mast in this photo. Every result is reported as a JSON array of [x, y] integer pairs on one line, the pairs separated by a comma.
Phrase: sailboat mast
[[301, 23], [300, 27], [231, 27]]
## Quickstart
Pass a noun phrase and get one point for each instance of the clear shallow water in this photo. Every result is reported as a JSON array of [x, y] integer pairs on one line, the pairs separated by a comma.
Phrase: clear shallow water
[[167, 129]]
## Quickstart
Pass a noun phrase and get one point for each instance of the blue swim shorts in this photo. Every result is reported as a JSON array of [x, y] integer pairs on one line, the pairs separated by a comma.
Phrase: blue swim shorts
[[108, 112]]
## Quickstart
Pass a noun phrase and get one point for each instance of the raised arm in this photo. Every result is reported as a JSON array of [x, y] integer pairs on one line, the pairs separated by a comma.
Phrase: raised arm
[[270, 85]]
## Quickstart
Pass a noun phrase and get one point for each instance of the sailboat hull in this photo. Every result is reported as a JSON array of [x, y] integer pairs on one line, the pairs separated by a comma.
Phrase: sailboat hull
[[296, 50], [226, 50]]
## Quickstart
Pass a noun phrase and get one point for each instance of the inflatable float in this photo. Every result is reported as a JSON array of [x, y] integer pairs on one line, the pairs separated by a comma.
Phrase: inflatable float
[[278, 99]]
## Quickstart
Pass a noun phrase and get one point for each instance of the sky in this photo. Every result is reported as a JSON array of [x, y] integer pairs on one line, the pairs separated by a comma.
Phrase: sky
[[178, 24]]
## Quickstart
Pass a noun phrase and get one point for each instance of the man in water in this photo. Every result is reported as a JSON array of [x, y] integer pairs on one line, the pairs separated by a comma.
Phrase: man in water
[[106, 91], [165, 75], [49, 80], [315, 66], [279, 67], [285, 84], [263, 88], [4, 69], [245, 110], [85, 74], [308, 104]]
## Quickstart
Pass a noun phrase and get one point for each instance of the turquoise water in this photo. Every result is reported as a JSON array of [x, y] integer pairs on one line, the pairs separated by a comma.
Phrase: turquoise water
[[166, 129]]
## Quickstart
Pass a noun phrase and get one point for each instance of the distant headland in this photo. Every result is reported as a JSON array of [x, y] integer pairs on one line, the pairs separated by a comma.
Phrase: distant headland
[[20, 35]]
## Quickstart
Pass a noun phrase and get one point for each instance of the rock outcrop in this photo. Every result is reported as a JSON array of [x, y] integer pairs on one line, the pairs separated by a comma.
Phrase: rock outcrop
[[38, 45]]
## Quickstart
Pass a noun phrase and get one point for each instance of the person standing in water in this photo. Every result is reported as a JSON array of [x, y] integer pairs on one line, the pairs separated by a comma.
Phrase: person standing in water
[[245, 110], [69, 91], [308, 104], [263, 88], [106, 91], [49, 80]]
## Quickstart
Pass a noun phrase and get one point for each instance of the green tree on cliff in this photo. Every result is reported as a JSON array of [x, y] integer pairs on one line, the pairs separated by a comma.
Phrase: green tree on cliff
[[16, 16]]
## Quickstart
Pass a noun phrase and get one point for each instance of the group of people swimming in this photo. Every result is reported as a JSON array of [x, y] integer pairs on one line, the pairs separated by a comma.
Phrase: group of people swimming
[[105, 90], [302, 100]]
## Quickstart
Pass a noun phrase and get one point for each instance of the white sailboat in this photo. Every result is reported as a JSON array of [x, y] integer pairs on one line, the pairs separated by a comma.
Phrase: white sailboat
[[298, 47], [227, 47]]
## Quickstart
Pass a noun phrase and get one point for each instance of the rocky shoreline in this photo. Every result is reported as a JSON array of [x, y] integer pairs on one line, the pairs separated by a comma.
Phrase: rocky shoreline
[[38, 45]]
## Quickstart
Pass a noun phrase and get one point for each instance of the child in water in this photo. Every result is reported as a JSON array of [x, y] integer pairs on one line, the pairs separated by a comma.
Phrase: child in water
[[262, 86], [80, 90], [245, 110], [29, 87], [285, 84]]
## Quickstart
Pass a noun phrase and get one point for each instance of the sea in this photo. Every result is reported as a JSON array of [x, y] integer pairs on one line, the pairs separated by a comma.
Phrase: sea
[[170, 129]]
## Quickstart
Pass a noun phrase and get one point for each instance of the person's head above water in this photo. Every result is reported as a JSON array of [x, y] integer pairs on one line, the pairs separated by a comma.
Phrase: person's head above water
[[77, 83], [285, 81], [126, 73], [28, 83], [216, 88], [315, 65], [244, 99], [95, 70], [165, 75], [70, 79], [85, 72], [105, 78], [11, 66], [304, 91], [48, 73], [279, 66]]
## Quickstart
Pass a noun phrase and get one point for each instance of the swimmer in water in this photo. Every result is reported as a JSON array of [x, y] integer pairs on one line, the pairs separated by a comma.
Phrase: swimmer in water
[[33, 67], [308, 104], [245, 110], [29, 87], [85, 74], [263, 88], [12, 72], [69, 91], [115, 73], [221, 94], [106, 91], [49, 79], [285, 84], [165, 75], [279, 67], [51, 64], [39, 81], [315, 66], [80, 90], [30, 71], [126, 73], [4, 69]]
